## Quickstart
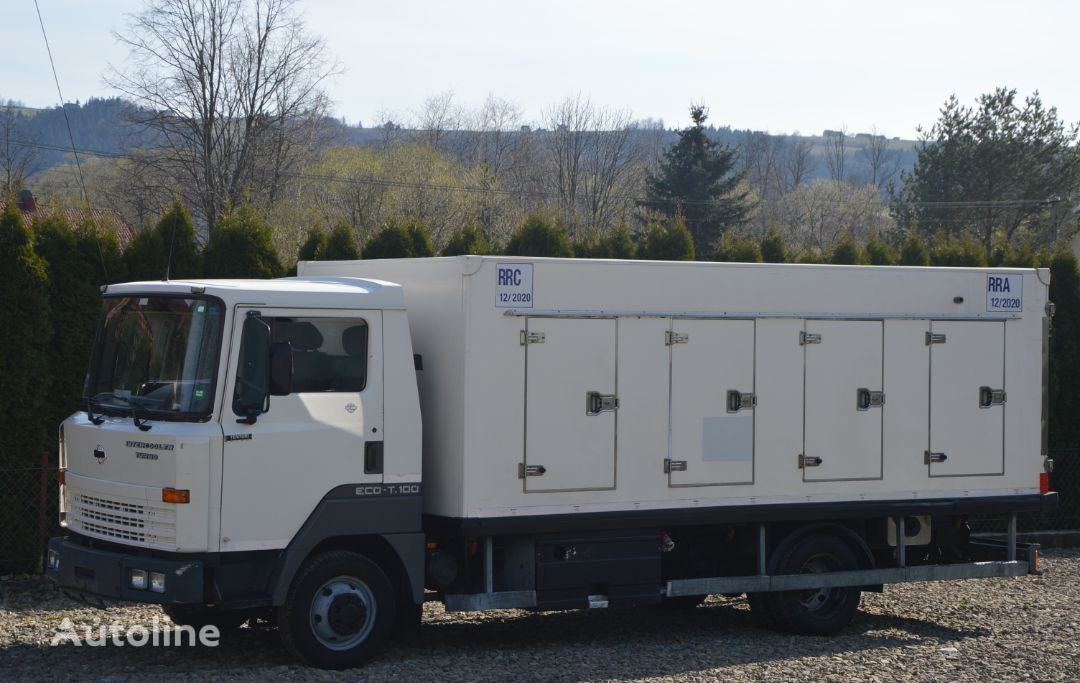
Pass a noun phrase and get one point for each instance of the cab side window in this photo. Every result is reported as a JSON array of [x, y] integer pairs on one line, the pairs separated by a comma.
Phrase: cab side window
[[329, 354]]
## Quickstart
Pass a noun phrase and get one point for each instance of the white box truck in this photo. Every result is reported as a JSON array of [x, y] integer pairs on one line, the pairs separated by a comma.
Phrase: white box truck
[[496, 432]]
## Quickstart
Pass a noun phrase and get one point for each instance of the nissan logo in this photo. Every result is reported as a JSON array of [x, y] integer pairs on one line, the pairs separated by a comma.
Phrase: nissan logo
[[99, 453]]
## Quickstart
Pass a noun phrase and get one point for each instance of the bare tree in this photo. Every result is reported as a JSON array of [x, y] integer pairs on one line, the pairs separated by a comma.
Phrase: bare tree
[[231, 87], [18, 160], [798, 164], [590, 152], [882, 162], [438, 117], [836, 153]]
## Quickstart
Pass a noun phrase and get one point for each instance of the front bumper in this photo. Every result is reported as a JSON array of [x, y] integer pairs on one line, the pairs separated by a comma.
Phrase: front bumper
[[105, 573]]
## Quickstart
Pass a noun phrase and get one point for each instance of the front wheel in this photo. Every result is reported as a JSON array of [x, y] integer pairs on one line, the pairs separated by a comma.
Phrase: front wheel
[[818, 611], [338, 612]]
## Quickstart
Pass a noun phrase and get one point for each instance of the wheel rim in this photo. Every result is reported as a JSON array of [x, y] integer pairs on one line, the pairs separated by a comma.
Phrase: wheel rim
[[342, 613], [819, 599]]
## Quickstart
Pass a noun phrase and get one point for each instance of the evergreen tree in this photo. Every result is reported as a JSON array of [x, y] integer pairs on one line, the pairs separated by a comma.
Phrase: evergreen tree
[[733, 249], [399, 240], [879, 253], [341, 244], [24, 342], [538, 236], [242, 247], [148, 254], [313, 246], [697, 179], [773, 249], [468, 239], [668, 240], [963, 251], [847, 252], [914, 252]]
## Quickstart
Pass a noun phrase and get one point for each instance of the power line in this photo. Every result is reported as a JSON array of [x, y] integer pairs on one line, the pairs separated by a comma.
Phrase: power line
[[67, 121]]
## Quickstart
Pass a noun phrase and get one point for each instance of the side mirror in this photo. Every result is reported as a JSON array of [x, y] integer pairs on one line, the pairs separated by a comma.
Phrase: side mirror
[[251, 396], [281, 369]]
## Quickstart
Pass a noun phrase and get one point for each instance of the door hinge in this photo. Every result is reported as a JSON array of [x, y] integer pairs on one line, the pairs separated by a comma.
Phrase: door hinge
[[991, 397], [737, 400], [675, 338], [929, 457], [596, 403], [674, 465], [935, 338], [808, 338], [808, 461], [530, 470], [865, 399], [531, 337]]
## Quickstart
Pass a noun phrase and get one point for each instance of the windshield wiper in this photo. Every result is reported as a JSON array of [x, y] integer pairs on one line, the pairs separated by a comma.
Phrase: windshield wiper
[[139, 422], [94, 419]]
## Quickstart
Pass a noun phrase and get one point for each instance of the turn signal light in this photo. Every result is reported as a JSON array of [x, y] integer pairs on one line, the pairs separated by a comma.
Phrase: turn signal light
[[1038, 561], [1044, 482], [169, 495]]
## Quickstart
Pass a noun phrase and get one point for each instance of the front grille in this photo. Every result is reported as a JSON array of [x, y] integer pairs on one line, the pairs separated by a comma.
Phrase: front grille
[[129, 521]]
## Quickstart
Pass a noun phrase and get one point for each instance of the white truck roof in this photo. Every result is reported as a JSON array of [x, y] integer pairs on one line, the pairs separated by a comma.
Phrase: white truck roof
[[338, 292]]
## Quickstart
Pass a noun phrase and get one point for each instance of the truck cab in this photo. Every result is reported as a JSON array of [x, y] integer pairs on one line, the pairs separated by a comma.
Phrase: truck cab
[[232, 430]]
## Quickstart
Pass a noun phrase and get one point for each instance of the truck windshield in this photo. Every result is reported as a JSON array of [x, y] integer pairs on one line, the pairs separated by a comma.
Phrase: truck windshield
[[156, 356]]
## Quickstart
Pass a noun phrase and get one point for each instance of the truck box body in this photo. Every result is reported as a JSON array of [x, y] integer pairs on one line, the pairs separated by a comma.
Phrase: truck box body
[[559, 386]]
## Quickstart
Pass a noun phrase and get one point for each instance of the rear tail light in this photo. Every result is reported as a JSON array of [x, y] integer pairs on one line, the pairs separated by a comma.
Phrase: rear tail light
[[1044, 482]]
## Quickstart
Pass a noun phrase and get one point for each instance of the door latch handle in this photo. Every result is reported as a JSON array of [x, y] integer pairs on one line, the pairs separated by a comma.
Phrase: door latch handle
[[809, 461], [737, 400], [674, 465], [596, 403], [530, 470], [991, 397], [865, 399], [929, 457]]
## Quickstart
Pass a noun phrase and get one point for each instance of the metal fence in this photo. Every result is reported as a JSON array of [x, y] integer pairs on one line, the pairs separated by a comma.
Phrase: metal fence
[[28, 509]]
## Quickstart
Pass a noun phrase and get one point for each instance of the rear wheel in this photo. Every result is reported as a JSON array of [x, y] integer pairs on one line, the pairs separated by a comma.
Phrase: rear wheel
[[819, 611], [338, 612]]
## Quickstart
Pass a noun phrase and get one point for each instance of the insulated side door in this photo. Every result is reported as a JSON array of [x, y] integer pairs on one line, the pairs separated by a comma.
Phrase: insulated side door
[[712, 403], [967, 398], [843, 400], [570, 404]]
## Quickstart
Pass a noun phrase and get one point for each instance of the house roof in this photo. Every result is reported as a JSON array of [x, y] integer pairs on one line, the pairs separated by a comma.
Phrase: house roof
[[108, 219]]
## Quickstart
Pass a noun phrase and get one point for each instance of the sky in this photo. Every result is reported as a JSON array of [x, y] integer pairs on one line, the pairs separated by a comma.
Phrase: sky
[[769, 65]]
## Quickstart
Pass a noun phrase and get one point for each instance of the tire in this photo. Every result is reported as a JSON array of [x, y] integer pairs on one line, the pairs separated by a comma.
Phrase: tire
[[339, 611], [817, 612], [198, 616]]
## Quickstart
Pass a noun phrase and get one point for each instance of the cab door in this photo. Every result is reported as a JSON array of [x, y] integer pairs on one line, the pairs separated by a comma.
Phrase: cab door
[[277, 468]]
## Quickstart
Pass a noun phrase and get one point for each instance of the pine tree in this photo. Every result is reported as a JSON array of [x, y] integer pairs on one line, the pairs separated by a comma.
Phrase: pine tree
[[539, 236], [313, 246], [668, 240], [697, 179], [242, 247], [341, 244], [736, 250], [773, 249], [467, 239]]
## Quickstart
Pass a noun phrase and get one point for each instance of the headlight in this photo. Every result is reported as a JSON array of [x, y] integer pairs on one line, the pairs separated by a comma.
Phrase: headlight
[[137, 579], [157, 582]]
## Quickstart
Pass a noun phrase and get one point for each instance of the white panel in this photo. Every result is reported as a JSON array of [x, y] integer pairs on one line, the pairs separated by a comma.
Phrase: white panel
[[906, 430], [644, 365], [576, 450], [847, 440], [778, 430], [972, 438], [716, 445]]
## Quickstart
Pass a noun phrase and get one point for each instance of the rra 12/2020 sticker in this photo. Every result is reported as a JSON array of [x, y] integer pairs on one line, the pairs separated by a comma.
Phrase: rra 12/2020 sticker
[[514, 285], [1004, 293]]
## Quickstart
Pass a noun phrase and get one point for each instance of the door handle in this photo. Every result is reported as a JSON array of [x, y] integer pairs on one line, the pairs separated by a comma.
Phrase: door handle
[[737, 400], [991, 397], [929, 457], [809, 461], [674, 465], [596, 403], [530, 470], [865, 399]]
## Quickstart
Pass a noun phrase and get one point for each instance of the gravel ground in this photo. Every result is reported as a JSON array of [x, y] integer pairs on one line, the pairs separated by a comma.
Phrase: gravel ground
[[995, 630]]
